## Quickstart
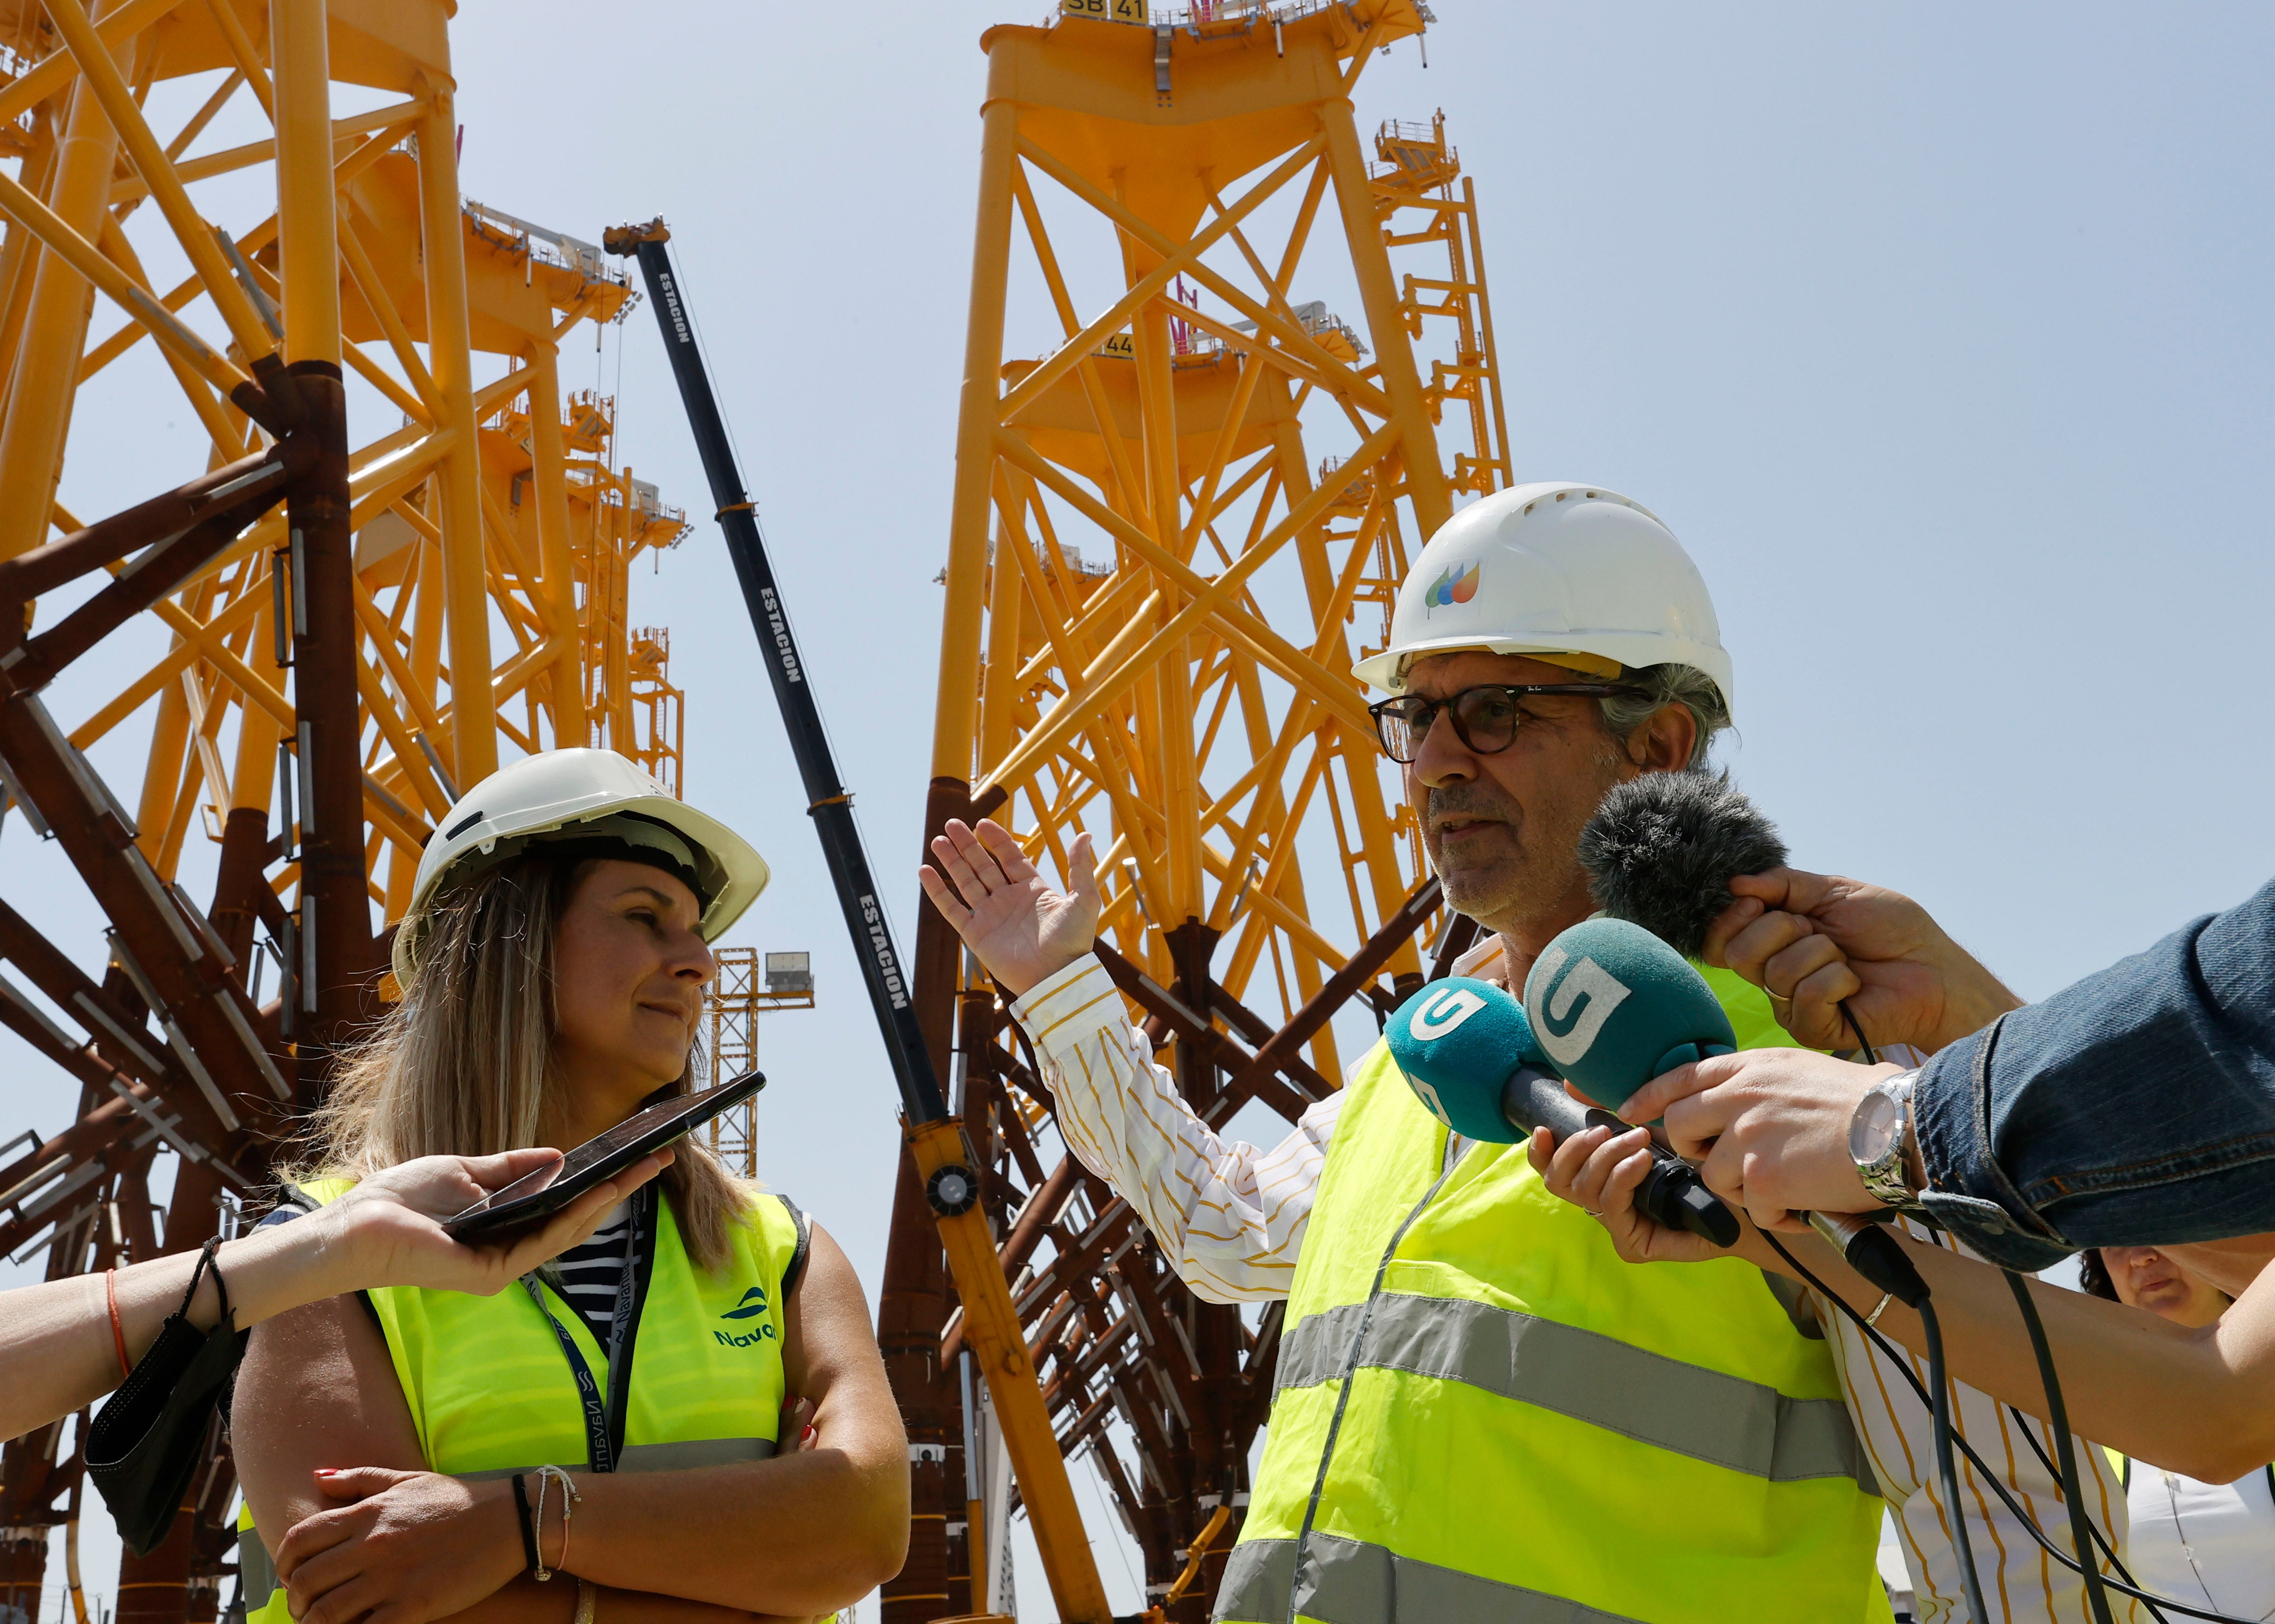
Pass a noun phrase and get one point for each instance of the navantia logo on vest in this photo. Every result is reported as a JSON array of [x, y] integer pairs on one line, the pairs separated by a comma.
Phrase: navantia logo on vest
[[753, 1305], [1580, 999]]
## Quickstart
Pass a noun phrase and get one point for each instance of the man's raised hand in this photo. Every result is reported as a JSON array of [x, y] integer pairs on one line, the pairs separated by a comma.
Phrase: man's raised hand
[[1023, 931]]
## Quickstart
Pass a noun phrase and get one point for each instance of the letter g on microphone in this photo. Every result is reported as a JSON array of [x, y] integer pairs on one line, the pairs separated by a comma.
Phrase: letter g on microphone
[[1614, 1006], [1576, 1002], [1458, 1041], [1441, 1012], [1435, 1015]]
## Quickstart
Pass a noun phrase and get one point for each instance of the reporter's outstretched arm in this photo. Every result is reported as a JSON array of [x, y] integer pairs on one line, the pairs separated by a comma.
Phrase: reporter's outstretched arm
[[1812, 942], [58, 1353], [2137, 1107], [1768, 1128], [2197, 1401]]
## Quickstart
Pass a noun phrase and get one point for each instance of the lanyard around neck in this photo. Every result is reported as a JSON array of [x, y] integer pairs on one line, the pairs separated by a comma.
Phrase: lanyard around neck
[[604, 1415]]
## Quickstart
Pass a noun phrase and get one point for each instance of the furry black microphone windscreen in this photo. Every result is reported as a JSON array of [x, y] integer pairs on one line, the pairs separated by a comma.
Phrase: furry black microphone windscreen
[[1662, 848]]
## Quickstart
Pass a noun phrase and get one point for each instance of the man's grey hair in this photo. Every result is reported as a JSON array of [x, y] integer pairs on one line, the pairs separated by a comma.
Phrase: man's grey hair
[[1659, 686]]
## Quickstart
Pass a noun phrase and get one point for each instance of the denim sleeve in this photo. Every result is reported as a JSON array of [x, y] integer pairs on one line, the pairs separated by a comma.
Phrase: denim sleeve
[[2137, 1107]]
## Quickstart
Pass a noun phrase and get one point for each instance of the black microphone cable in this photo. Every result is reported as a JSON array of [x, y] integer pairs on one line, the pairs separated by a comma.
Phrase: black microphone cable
[[1873, 1253], [2100, 1541], [2058, 1418], [2072, 1492], [1939, 1413], [1871, 1055], [2123, 1584]]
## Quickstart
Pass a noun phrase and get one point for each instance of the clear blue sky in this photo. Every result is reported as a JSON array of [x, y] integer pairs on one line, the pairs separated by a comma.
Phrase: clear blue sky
[[1940, 333]]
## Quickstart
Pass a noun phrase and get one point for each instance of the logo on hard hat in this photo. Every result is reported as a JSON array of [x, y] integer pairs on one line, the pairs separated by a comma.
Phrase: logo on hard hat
[[1455, 585]]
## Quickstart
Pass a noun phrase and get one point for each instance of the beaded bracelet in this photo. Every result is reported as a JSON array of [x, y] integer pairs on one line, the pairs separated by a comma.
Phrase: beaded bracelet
[[568, 1498]]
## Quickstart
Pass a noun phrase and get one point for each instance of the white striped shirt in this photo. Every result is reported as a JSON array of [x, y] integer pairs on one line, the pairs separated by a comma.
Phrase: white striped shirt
[[1231, 1220]]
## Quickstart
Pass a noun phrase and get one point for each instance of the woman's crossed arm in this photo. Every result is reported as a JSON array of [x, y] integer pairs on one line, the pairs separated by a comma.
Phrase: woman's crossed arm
[[327, 1449]]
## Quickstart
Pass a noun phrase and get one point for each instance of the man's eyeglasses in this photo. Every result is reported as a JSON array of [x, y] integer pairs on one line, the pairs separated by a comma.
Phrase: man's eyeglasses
[[1485, 719]]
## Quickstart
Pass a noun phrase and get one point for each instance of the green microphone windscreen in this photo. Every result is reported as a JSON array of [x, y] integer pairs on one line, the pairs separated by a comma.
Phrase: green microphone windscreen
[[1457, 1041], [1613, 1006]]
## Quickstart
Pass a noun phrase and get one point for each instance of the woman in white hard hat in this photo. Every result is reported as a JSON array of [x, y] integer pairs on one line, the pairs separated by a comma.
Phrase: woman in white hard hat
[[634, 1423]]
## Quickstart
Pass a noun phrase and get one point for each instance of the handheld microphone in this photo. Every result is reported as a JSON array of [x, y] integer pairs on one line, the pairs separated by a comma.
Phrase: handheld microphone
[[1469, 1053], [1662, 850], [1614, 1006]]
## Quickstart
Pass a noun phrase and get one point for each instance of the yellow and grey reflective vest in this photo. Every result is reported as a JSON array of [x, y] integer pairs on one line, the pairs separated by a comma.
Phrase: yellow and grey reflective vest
[[492, 1392], [1482, 1414]]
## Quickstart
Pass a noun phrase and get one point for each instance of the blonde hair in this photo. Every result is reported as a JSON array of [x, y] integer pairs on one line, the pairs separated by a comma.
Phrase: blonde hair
[[464, 1064]]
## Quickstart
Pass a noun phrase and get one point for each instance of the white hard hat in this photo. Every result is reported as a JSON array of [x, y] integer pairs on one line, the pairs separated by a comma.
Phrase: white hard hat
[[588, 803], [1554, 569]]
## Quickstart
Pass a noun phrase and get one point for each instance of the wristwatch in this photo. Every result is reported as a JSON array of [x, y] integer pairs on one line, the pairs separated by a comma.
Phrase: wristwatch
[[1876, 1140]]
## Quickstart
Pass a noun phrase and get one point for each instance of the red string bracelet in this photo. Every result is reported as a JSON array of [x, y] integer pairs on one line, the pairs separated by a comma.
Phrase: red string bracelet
[[118, 1332]]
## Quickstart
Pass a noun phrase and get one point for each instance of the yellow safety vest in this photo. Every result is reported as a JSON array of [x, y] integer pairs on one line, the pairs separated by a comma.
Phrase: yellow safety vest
[[1482, 1414], [492, 1394]]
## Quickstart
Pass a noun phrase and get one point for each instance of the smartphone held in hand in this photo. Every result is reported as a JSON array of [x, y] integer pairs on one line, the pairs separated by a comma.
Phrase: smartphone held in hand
[[508, 1214]]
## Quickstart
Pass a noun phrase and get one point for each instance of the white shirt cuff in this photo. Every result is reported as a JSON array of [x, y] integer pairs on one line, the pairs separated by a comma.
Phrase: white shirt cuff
[[1065, 1009]]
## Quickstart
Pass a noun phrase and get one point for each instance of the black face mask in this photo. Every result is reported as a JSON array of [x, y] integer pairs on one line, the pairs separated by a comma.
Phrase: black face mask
[[147, 1442]]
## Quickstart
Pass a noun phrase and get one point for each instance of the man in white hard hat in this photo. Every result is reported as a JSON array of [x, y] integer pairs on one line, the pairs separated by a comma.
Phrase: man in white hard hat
[[1479, 1412]]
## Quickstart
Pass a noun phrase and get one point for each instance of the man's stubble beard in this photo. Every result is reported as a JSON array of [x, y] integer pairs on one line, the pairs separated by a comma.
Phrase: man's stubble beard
[[1536, 876]]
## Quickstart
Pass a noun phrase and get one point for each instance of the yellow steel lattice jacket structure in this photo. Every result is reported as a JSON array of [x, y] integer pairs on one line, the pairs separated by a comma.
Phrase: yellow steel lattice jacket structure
[[446, 576], [1172, 533]]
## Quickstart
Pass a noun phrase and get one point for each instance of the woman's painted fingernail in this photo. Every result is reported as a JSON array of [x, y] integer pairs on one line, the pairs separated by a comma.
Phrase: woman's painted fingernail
[[326, 1471], [802, 1437]]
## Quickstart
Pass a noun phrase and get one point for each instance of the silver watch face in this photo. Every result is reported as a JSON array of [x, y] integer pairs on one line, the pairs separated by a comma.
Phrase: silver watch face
[[1874, 1129]]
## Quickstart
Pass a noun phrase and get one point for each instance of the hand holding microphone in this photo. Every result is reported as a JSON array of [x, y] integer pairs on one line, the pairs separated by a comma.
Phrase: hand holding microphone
[[1666, 851], [1769, 1129], [1814, 941], [1615, 1007], [1469, 1054], [1692, 860]]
